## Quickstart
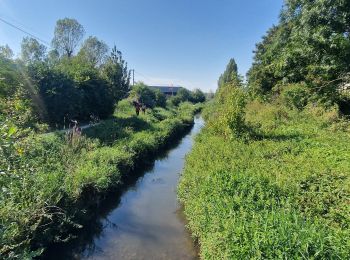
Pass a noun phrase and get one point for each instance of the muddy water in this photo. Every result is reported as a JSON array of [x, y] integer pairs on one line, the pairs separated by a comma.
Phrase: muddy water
[[147, 222]]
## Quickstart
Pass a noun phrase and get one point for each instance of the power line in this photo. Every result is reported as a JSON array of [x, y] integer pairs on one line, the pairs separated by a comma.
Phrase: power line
[[147, 78], [28, 33], [10, 19]]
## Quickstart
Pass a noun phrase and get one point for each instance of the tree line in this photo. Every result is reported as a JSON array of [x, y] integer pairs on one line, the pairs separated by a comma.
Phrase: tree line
[[307, 54], [76, 79]]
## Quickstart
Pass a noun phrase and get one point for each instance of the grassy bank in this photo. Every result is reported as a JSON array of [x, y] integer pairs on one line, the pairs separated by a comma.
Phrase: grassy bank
[[61, 178], [264, 181]]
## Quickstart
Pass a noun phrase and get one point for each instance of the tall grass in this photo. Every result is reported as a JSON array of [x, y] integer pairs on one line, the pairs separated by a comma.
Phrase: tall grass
[[57, 180], [280, 191]]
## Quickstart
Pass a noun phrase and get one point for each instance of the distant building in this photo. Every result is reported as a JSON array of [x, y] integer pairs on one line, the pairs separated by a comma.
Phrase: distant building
[[167, 90]]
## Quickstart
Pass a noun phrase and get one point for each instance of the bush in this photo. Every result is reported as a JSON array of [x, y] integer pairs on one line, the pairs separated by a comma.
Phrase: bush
[[197, 96], [295, 95], [283, 195], [50, 181], [270, 197], [144, 94], [160, 99], [229, 115]]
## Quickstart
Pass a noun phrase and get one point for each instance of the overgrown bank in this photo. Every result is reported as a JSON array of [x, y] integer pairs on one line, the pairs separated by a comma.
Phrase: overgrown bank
[[60, 179], [269, 176], [267, 181]]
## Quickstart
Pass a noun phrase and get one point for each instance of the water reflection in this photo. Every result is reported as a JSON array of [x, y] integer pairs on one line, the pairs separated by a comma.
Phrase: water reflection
[[143, 223]]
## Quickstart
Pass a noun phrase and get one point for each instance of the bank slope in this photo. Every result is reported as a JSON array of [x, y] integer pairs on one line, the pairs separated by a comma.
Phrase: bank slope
[[64, 178], [278, 190]]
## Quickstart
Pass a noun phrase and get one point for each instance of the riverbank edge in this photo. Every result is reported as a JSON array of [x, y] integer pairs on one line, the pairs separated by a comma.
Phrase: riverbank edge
[[87, 205]]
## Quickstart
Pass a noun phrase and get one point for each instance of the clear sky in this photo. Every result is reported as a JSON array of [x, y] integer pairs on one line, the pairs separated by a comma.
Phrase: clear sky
[[179, 42]]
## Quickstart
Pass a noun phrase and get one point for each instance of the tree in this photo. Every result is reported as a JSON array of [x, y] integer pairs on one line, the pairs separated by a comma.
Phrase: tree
[[53, 57], [6, 52], [311, 44], [229, 74], [67, 36], [197, 96], [144, 94], [160, 98], [9, 77], [93, 50], [115, 72], [32, 50], [183, 94]]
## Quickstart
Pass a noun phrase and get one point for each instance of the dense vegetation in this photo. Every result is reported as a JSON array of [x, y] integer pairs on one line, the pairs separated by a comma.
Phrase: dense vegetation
[[50, 178], [47, 192], [56, 87], [277, 184], [310, 46]]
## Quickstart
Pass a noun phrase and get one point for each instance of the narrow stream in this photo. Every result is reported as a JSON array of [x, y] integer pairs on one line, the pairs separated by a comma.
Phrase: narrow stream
[[147, 223]]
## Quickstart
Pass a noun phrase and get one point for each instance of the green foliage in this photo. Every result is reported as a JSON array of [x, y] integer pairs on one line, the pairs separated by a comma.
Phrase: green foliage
[[281, 195], [174, 101], [45, 178], [57, 87], [197, 96], [148, 96], [93, 51], [228, 118], [6, 52], [144, 94], [67, 36], [229, 74], [295, 95], [32, 50], [160, 98], [9, 77], [115, 72], [184, 95], [310, 44]]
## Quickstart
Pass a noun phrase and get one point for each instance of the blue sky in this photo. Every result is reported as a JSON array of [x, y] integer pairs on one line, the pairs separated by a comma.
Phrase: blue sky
[[179, 42]]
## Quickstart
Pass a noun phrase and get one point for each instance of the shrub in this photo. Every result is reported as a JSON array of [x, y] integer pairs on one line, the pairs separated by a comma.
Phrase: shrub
[[160, 99], [295, 95], [284, 195], [144, 94], [229, 115]]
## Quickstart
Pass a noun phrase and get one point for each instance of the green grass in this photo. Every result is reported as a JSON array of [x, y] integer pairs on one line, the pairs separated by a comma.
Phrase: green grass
[[55, 181], [282, 193]]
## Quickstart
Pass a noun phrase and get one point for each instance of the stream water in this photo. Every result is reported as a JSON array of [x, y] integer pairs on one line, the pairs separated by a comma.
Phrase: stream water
[[147, 221]]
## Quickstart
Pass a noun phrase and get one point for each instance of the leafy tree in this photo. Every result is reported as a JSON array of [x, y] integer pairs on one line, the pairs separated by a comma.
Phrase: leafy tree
[[94, 50], [6, 52], [174, 100], [115, 72], [197, 96], [94, 91], [310, 44], [53, 94], [61, 86], [32, 50], [229, 74], [67, 36], [144, 94], [53, 57], [9, 77], [183, 94], [160, 98]]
